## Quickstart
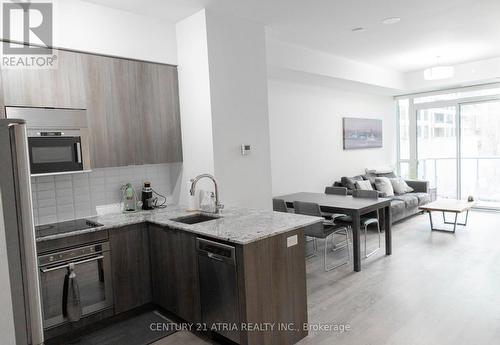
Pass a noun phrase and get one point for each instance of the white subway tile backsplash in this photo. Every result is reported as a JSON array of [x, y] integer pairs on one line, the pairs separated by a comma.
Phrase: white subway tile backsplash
[[63, 197], [64, 193], [45, 179], [52, 218], [43, 186], [65, 212], [47, 211]]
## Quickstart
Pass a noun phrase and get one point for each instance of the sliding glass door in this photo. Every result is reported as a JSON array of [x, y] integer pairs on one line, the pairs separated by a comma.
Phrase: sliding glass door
[[458, 150], [480, 152], [437, 149], [451, 138]]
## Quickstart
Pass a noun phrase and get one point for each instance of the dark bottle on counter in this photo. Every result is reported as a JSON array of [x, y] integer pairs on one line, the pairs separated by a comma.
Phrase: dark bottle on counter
[[147, 196]]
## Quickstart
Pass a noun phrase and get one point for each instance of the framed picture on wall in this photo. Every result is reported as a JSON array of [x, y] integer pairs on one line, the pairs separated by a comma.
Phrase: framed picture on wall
[[362, 133]]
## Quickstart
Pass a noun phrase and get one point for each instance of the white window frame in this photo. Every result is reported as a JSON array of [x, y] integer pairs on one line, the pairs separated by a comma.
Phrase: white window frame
[[412, 113]]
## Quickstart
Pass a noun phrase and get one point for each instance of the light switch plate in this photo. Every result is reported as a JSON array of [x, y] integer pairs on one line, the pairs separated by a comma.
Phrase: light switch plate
[[245, 149], [292, 241]]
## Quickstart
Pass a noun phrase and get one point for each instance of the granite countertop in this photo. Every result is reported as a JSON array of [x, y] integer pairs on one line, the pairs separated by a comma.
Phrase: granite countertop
[[236, 225]]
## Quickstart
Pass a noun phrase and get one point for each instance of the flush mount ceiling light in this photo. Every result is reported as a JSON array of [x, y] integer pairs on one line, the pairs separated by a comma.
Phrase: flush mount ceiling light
[[391, 20], [358, 29], [439, 72]]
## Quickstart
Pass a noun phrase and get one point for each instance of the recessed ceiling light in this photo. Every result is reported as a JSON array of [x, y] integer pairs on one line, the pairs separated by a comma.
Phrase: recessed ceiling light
[[358, 29], [391, 20]]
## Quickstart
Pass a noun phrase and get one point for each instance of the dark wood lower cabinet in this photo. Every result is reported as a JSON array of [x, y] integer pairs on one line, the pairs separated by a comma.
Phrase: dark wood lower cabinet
[[272, 289], [158, 265], [174, 269], [130, 265]]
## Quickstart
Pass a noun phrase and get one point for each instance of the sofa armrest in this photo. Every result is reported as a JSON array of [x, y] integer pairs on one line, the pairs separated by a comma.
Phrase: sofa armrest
[[419, 185]]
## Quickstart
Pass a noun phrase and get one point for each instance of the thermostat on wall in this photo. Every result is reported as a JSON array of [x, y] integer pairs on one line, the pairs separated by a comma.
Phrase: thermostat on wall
[[245, 149]]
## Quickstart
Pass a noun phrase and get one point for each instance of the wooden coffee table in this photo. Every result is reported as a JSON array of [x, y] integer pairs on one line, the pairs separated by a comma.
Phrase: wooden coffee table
[[448, 206]]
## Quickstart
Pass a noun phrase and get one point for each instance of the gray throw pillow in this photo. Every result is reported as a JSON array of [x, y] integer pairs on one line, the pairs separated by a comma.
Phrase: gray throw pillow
[[384, 185], [400, 186], [365, 185], [372, 174], [387, 174], [350, 182]]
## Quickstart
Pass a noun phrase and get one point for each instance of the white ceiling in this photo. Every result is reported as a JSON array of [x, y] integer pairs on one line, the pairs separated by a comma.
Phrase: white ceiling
[[457, 30]]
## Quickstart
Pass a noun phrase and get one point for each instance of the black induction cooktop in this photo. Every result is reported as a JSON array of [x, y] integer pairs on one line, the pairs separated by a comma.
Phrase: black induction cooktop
[[64, 227]]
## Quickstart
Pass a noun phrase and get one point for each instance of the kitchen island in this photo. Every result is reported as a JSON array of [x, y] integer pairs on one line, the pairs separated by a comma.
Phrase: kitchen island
[[241, 275]]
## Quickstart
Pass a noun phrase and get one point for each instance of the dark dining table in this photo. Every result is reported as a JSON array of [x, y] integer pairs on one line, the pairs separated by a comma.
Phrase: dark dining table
[[354, 207]]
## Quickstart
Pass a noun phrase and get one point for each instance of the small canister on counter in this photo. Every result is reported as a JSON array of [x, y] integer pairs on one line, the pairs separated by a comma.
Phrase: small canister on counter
[[147, 196]]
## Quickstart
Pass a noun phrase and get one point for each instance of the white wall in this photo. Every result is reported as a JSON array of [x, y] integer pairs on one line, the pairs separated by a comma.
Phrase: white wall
[[284, 56], [306, 134], [194, 98], [223, 100], [88, 27], [238, 86]]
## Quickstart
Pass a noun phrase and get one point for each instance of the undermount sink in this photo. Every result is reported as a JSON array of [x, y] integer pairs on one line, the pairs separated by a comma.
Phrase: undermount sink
[[194, 218]]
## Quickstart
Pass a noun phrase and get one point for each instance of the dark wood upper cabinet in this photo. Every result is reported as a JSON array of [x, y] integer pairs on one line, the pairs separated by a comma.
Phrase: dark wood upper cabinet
[[157, 112], [114, 127], [132, 106], [174, 271], [130, 266], [61, 87], [133, 112]]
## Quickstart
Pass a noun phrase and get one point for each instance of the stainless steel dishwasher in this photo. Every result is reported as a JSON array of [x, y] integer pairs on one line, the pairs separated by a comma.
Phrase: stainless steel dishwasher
[[219, 289]]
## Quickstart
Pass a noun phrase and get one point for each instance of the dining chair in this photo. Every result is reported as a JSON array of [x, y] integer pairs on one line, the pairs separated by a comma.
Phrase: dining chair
[[336, 190], [279, 205], [365, 221], [324, 230]]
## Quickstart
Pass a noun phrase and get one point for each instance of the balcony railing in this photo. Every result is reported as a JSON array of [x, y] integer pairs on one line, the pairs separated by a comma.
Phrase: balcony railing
[[480, 177]]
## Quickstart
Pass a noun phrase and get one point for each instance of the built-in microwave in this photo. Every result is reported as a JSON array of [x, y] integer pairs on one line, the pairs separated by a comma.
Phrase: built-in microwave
[[58, 139]]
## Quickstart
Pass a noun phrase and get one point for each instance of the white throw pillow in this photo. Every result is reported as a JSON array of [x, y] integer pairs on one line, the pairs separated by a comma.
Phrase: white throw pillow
[[365, 185], [384, 185], [400, 186]]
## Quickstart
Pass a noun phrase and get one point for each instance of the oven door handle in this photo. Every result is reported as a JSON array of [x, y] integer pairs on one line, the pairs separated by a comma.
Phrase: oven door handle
[[78, 148], [45, 270]]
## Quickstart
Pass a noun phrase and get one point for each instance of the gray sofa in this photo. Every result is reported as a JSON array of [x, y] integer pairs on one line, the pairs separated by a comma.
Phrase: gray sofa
[[402, 205], [406, 205]]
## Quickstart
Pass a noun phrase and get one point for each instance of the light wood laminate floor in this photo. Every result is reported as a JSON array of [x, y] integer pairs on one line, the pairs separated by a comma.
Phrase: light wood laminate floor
[[436, 288]]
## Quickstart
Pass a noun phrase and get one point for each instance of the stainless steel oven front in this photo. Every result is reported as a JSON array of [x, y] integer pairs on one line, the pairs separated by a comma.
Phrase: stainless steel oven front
[[92, 267]]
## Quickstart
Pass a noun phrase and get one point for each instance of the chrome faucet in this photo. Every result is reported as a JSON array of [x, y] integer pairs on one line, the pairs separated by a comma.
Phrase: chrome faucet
[[218, 205]]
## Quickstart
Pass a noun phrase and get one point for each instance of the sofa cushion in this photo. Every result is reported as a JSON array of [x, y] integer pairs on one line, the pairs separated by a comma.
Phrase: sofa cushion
[[400, 186], [364, 185], [409, 199], [397, 206], [423, 198], [384, 185], [350, 182]]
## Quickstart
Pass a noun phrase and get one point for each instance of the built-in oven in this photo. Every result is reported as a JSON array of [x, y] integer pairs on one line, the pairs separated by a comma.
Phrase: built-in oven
[[58, 139], [92, 272]]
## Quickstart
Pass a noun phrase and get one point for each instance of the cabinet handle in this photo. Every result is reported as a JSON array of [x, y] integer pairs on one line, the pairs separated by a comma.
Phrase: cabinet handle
[[45, 270], [215, 257], [78, 149]]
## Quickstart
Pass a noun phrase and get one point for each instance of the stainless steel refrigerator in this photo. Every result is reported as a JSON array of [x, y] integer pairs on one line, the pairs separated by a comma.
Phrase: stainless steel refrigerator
[[21, 315]]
